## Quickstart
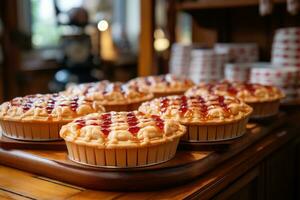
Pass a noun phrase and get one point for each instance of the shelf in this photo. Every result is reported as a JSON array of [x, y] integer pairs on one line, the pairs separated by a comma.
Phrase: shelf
[[213, 4], [186, 166]]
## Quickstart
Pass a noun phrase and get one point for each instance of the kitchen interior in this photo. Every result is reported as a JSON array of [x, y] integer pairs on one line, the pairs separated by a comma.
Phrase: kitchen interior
[[57, 47]]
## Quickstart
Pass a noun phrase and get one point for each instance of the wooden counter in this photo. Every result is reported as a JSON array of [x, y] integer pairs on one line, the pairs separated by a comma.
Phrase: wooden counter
[[266, 170]]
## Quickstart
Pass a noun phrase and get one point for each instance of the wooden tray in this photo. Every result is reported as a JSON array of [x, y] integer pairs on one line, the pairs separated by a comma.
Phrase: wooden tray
[[7, 143], [186, 165]]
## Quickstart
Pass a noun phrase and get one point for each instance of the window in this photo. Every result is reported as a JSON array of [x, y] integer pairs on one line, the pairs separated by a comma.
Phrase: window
[[45, 31]]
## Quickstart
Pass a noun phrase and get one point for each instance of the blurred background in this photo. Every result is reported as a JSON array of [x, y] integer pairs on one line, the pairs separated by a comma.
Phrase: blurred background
[[48, 43], [45, 44]]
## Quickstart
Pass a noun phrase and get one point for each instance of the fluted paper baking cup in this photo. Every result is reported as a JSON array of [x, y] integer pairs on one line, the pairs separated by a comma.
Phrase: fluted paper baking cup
[[31, 131], [264, 109], [122, 158], [215, 133]]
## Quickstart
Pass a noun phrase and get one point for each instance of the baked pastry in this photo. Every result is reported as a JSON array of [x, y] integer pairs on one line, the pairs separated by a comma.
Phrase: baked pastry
[[163, 85], [121, 139], [40, 117], [86, 88], [208, 118], [113, 96], [264, 100]]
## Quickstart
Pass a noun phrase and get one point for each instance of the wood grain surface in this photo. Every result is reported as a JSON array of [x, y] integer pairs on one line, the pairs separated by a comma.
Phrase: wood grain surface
[[16, 184], [184, 167], [8, 143]]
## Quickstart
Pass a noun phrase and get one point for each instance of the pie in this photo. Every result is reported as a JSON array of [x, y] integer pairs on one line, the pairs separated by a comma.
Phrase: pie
[[87, 88], [121, 139], [113, 96], [163, 85], [208, 117], [40, 116], [264, 100]]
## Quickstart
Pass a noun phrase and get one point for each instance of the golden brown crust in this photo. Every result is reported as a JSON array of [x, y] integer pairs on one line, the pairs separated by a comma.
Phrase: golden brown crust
[[121, 130], [108, 93], [167, 83], [47, 108], [247, 92], [86, 88], [198, 110]]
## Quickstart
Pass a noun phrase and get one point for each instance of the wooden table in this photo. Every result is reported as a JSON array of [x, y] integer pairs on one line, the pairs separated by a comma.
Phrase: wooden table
[[236, 172]]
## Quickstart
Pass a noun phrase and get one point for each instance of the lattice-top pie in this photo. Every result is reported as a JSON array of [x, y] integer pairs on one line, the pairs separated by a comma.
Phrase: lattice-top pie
[[121, 139], [39, 116], [206, 109], [163, 85], [47, 107], [264, 99], [113, 96], [87, 88], [247, 92], [208, 117]]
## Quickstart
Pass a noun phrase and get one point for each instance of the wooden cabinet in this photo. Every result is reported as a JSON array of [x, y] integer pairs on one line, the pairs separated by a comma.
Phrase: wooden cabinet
[[247, 187], [280, 170], [268, 169], [219, 21], [210, 4], [275, 178]]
